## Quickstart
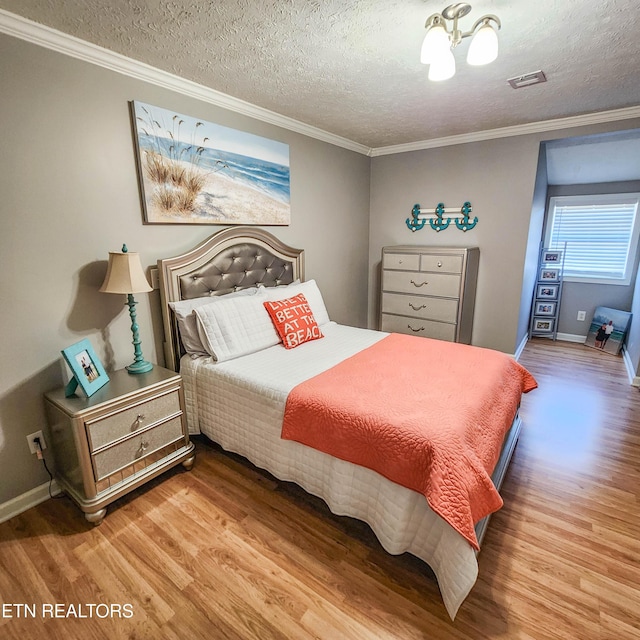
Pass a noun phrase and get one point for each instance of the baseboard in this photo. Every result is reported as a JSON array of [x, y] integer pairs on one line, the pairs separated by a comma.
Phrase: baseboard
[[571, 337], [27, 500], [634, 380], [521, 347]]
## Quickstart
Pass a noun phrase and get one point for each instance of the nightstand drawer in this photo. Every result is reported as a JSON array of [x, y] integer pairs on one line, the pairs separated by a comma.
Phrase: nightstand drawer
[[118, 425], [448, 264], [136, 447], [428, 284], [442, 309]]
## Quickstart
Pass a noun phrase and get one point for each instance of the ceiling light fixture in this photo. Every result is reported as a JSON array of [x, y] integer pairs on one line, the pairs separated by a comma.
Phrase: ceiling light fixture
[[439, 41]]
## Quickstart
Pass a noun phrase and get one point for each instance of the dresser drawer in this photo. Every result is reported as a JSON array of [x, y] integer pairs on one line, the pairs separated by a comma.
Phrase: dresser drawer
[[426, 284], [446, 264], [117, 425], [136, 447], [408, 261], [418, 327], [442, 309]]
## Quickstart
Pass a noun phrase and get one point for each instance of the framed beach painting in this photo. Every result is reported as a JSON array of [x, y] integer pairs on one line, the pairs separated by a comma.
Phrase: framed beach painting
[[608, 329], [197, 172]]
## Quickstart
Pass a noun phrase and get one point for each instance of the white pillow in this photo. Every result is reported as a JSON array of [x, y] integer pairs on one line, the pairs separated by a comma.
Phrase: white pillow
[[235, 327], [311, 292], [183, 310]]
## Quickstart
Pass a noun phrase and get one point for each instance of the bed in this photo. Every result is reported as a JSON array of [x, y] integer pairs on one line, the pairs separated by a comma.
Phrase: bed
[[240, 388]]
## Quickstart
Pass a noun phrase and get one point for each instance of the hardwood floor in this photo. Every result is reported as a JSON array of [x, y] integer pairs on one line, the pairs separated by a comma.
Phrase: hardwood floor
[[225, 551]]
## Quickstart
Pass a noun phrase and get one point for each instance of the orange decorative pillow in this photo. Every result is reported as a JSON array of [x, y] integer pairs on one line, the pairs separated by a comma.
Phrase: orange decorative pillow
[[293, 320]]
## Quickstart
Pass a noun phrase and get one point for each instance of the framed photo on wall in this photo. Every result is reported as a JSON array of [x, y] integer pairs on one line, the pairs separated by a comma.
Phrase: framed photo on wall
[[547, 291], [86, 367]]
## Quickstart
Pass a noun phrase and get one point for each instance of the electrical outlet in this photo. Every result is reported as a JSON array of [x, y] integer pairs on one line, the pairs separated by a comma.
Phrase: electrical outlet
[[31, 440], [582, 315]]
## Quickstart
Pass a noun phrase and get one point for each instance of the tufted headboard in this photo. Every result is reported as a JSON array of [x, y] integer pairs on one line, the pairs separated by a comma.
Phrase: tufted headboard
[[232, 259]]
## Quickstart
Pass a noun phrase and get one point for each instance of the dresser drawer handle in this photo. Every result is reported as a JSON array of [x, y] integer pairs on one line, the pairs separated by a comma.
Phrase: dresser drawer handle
[[137, 423], [439, 263], [144, 445], [422, 306], [415, 330], [415, 284]]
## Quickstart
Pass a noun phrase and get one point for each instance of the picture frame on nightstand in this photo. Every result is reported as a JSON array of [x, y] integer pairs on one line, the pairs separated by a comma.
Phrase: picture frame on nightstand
[[88, 372]]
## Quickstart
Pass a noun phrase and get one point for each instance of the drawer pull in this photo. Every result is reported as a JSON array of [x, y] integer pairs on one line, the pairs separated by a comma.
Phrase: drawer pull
[[415, 284], [439, 263], [422, 306], [137, 423], [415, 330], [144, 445]]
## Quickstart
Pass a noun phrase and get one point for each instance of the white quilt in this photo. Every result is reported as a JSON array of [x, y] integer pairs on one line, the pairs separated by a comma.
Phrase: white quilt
[[240, 405]]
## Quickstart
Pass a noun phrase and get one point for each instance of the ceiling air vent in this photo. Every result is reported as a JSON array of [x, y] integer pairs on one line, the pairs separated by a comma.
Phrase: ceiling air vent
[[526, 80]]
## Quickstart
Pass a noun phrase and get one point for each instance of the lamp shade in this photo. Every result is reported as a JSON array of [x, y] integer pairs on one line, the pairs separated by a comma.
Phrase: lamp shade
[[124, 274], [435, 44], [443, 68], [484, 46]]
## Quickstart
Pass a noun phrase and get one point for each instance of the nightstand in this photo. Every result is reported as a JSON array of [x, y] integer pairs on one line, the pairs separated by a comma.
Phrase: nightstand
[[126, 433]]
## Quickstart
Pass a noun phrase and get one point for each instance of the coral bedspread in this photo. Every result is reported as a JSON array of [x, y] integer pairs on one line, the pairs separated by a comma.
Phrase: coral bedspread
[[427, 414]]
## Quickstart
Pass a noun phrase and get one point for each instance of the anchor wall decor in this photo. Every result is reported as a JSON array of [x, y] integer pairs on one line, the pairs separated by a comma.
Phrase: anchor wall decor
[[419, 218]]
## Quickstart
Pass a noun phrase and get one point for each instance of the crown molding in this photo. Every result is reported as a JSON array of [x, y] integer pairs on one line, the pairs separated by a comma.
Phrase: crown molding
[[44, 36], [517, 130]]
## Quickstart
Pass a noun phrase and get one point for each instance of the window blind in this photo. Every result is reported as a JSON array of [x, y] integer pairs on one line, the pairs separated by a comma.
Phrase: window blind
[[598, 237]]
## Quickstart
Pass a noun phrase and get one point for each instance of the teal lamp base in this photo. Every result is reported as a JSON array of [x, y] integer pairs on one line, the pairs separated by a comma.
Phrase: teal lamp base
[[139, 364], [139, 367]]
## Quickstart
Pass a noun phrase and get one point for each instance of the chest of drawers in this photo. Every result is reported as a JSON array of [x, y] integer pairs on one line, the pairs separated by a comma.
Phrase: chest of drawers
[[429, 291], [128, 432]]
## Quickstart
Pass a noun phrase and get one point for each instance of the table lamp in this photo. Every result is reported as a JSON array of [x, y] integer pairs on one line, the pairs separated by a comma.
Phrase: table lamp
[[125, 275]]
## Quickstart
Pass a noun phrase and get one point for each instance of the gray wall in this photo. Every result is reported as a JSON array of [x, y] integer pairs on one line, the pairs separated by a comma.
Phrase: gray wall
[[499, 178], [70, 195]]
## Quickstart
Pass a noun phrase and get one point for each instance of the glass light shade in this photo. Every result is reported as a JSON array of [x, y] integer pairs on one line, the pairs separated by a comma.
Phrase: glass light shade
[[436, 42], [484, 46], [443, 68]]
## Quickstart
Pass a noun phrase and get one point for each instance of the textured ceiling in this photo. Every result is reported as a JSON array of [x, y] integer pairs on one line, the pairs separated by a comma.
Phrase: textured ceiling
[[351, 67]]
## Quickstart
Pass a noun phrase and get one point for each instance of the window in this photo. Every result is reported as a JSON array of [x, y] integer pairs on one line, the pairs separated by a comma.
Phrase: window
[[601, 232]]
